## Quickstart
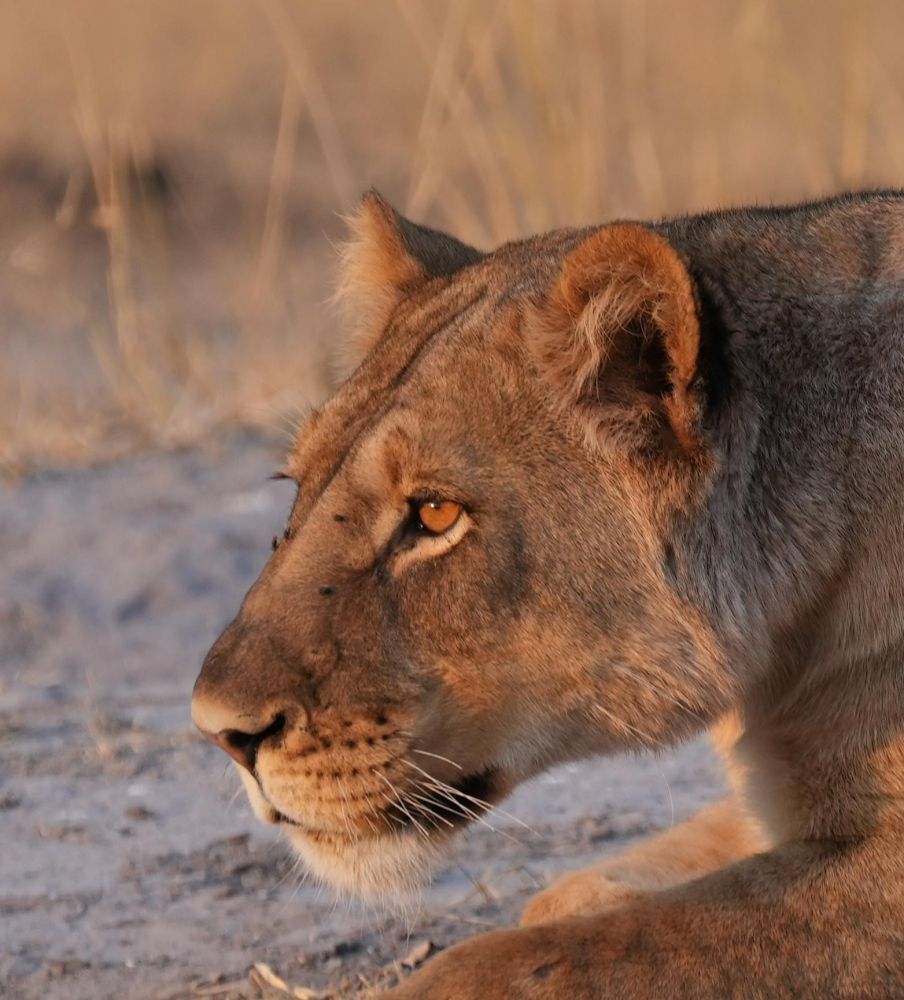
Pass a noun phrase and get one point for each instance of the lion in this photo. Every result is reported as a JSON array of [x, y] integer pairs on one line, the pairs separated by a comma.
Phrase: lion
[[595, 491]]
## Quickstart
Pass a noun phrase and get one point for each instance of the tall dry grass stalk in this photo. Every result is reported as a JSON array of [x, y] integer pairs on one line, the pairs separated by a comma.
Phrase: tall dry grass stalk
[[171, 177]]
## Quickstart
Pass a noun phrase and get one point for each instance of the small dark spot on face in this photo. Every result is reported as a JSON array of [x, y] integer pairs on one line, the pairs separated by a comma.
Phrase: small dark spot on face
[[337, 774], [307, 773], [326, 744], [326, 591], [339, 517], [354, 772], [386, 765], [386, 736], [370, 741], [319, 775], [351, 744], [381, 719], [346, 723]]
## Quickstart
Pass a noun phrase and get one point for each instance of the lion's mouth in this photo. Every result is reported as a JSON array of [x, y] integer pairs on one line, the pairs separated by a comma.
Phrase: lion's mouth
[[279, 817], [436, 807], [439, 807], [428, 809]]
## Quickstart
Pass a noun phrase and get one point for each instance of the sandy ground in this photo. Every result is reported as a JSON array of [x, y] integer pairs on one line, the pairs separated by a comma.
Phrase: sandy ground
[[130, 869]]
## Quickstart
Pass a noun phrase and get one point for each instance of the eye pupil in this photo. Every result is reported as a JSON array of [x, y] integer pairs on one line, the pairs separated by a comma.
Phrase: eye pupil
[[437, 516]]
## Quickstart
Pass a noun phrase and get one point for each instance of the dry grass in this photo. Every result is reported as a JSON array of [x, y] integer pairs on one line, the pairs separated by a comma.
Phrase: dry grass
[[170, 172]]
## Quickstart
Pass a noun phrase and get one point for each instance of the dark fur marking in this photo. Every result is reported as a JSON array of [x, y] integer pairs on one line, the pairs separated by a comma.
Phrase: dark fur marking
[[714, 374], [438, 253]]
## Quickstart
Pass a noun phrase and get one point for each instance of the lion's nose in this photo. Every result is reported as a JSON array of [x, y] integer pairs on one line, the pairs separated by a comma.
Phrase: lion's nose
[[241, 746], [244, 694]]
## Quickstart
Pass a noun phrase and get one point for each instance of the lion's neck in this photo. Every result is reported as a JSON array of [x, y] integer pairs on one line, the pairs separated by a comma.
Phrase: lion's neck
[[824, 759]]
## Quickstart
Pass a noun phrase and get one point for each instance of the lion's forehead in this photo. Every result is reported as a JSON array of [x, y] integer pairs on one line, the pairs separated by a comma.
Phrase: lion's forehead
[[429, 320], [433, 382], [438, 381]]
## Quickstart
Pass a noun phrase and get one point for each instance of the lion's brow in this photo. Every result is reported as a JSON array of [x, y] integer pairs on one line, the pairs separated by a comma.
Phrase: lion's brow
[[364, 401]]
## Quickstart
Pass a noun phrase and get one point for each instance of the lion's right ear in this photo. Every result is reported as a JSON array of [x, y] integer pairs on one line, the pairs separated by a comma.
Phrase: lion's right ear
[[386, 258]]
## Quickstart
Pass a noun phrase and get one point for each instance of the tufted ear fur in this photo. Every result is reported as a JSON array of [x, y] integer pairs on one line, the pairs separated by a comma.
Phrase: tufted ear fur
[[618, 335], [387, 257]]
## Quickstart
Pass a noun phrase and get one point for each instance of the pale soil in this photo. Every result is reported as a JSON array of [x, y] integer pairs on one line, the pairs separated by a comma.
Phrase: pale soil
[[128, 867]]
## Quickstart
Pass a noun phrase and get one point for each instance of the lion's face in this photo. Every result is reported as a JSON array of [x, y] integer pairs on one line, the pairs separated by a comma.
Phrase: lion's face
[[469, 589]]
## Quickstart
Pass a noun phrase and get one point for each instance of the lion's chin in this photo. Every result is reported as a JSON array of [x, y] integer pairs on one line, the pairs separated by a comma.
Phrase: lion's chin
[[394, 861], [394, 865]]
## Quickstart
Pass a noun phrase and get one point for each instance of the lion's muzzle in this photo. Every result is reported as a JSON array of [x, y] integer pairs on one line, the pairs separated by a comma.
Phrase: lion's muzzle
[[340, 769]]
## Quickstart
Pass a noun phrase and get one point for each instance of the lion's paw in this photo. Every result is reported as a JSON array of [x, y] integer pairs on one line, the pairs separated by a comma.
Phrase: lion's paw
[[577, 893]]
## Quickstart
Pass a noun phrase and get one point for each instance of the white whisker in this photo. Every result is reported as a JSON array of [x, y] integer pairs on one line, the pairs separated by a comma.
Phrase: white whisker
[[436, 756], [453, 795], [477, 801], [402, 805], [422, 801], [353, 835]]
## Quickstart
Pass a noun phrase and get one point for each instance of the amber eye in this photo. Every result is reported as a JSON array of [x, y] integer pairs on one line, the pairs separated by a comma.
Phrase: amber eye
[[438, 516]]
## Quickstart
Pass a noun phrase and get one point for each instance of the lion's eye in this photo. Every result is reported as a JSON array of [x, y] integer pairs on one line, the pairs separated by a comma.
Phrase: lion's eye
[[438, 516]]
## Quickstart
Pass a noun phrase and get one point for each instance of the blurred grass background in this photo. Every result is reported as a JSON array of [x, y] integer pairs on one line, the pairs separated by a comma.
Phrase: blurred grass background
[[172, 173]]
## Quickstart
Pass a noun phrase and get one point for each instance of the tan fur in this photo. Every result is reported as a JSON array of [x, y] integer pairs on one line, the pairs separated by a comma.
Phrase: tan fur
[[680, 454], [621, 288], [375, 272], [713, 838]]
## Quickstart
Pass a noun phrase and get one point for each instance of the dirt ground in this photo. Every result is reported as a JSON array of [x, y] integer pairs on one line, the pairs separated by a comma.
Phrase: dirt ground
[[130, 867]]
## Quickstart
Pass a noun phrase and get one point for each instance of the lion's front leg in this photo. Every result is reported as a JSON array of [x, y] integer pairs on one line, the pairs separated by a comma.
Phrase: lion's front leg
[[714, 837], [525, 964], [603, 957], [804, 920]]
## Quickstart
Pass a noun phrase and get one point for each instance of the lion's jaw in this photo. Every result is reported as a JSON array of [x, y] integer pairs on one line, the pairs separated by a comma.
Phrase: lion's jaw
[[379, 828], [364, 864]]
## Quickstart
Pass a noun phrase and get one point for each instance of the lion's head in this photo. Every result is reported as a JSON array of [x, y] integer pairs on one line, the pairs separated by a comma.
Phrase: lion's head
[[477, 579]]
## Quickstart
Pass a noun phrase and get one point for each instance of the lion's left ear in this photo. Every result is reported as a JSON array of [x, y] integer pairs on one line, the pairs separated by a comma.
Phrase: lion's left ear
[[619, 337], [386, 258]]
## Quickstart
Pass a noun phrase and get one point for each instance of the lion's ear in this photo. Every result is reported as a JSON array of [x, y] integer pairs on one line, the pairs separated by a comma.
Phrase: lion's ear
[[618, 336], [386, 257]]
